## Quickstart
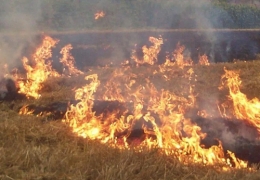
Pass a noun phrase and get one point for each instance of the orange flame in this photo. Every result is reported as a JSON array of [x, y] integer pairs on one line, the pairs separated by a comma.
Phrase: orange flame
[[4, 71], [244, 109], [40, 69], [158, 114], [68, 61], [203, 60], [179, 57], [151, 53], [163, 124], [25, 110], [99, 14]]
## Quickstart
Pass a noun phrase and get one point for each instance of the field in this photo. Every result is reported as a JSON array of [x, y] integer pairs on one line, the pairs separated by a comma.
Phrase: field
[[142, 89], [39, 147]]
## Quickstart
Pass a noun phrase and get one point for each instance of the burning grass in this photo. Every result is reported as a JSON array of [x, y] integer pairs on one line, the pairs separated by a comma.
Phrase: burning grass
[[31, 149], [50, 151], [167, 121]]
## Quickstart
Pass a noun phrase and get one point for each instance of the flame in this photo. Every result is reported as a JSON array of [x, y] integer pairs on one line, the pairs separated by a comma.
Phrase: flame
[[244, 109], [160, 115], [203, 60], [99, 14], [178, 60], [179, 57], [68, 61], [150, 56], [157, 114], [151, 53], [25, 110], [39, 69]]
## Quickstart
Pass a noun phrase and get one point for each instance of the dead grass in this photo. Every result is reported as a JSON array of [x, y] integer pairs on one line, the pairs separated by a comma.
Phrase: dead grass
[[31, 149]]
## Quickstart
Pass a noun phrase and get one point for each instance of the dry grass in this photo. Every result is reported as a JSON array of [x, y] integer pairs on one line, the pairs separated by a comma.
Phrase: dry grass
[[31, 149]]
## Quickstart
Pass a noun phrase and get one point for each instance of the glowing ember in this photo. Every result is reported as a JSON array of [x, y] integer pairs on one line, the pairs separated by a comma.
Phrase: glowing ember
[[39, 69], [99, 14], [244, 109], [68, 61]]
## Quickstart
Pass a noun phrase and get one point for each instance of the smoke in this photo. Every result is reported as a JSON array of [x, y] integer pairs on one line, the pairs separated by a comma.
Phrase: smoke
[[18, 29], [139, 14], [161, 15], [235, 135]]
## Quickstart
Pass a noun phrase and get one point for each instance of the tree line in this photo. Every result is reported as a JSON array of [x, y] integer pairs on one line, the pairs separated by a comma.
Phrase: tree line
[[124, 14]]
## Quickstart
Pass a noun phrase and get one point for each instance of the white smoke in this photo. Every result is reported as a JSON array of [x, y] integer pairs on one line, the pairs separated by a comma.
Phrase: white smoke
[[18, 28]]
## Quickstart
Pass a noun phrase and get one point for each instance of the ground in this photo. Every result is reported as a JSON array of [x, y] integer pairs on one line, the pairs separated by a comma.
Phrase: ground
[[40, 148]]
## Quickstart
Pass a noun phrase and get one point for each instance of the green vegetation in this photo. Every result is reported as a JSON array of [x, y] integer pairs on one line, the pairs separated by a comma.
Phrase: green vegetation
[[165, 14], [35, 148]]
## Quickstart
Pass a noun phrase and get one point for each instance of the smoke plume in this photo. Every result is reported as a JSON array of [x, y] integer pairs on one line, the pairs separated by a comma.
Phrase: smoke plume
[[18, 27]]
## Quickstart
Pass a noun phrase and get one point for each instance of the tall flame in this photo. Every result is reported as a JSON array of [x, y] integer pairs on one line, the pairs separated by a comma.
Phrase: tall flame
[[179, 57], [244, 109], [68, 61], [150, 53], [203, 60], [39, 69]]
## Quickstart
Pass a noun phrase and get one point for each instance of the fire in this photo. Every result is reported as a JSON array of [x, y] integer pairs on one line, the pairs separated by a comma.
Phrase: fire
[[150, 56], [179, 58], [203, 60], [151, 53], [244, 109], [81, 118], [68, 61], [99, 14], [157, 114], [39, 69], [25, 110]]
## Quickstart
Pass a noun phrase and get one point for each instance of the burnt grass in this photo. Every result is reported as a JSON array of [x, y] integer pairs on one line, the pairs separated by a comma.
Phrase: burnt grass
[[43, 147]]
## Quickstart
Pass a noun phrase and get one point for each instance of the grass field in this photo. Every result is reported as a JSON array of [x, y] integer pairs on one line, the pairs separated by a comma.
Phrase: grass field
[[38, 148]]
